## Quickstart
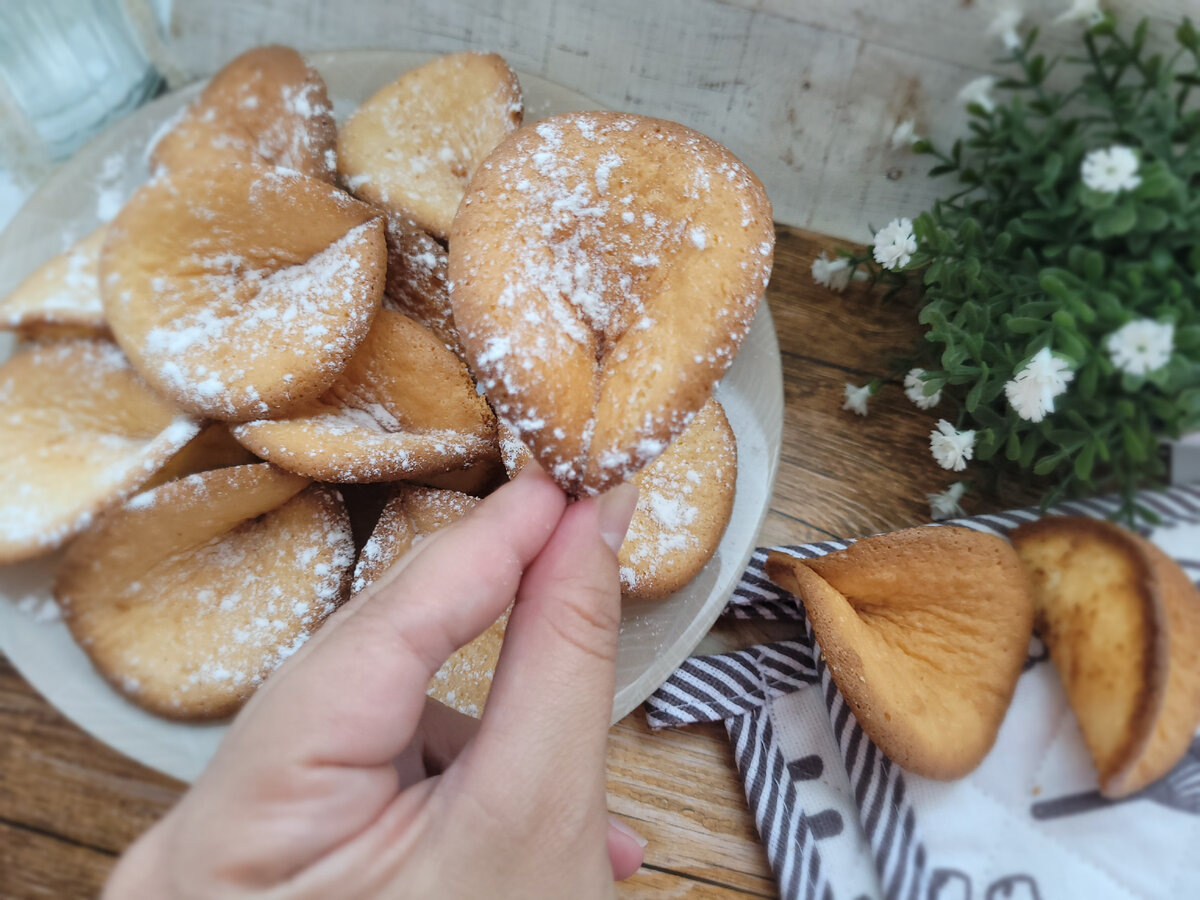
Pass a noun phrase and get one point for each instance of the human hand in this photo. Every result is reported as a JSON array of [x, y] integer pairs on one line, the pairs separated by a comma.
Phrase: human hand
[[341, 779]]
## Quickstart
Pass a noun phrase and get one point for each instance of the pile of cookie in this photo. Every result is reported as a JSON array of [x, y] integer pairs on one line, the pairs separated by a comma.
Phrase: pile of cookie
[[289, 313]]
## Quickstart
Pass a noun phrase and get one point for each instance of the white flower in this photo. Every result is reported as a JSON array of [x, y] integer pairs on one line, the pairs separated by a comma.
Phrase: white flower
[[951, 448], [1141, 346], [831, 273], [914, 390], [945, 505], [1031, 392], [856, 398], [1004, 25], [1081, 11], [895, 244], [905, 135], [1111, 170], [979, 91]]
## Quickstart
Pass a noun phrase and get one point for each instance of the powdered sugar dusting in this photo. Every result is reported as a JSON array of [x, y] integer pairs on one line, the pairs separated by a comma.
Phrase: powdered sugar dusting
[[66, 290], [215, 330], [421, 138], [81, 432], [603, 218], [684, 499], [211, 621]]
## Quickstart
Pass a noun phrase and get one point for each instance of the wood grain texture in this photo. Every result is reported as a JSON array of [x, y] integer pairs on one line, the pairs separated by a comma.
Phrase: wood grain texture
[[68, 804], [41, 866], [807, 92]]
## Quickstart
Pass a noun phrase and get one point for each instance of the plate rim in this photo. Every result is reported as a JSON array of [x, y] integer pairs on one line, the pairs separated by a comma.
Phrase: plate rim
[[120, 135]]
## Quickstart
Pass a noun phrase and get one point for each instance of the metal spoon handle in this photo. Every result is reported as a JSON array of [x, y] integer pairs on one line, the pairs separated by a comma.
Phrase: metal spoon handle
[[1070, 805]]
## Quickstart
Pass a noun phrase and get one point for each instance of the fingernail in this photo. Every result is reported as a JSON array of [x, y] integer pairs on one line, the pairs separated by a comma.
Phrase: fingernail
[[616, 509], [627, 831]]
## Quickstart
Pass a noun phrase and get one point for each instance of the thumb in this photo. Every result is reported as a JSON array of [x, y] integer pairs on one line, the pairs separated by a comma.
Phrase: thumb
[[546, 723]]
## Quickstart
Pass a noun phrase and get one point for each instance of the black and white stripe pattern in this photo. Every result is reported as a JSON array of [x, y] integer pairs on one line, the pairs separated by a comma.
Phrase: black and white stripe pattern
[[737, 688], [885, 812]]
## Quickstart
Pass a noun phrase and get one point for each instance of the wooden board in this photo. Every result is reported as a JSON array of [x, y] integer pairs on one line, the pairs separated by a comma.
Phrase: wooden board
[[68, 805]]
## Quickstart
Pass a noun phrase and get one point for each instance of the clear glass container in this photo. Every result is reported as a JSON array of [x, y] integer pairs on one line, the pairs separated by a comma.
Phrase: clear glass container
[[67, 68]]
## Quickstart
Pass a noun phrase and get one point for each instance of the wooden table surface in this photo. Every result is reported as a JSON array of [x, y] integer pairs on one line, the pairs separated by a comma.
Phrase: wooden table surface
[[69, 805]]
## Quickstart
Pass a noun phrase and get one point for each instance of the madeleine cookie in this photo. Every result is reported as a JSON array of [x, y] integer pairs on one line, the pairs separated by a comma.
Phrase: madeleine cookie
[[685, 499], [190, 595], [416, 279], [604, 270], [213, 448], [925, 632], [242, 293], [268, 106], [62, 297], [412, 513], [414, 145], [1122, 623], [79, 431], [404, 407]]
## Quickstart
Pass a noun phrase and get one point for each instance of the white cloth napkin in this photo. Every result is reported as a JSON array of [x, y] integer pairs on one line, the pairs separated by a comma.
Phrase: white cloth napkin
[[839, 820]]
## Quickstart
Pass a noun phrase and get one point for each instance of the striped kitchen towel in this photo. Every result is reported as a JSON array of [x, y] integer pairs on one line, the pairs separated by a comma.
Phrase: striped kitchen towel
[[839, 820]]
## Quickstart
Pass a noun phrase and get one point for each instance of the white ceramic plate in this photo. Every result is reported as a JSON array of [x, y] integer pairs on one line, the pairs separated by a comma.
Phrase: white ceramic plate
[[655, 637]]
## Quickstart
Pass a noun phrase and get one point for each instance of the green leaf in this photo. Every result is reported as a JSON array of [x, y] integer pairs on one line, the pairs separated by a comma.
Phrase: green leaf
[[1114, 222], [1131, 440], [1049, 463], [1024, 325], [1085, 460], [1053, 285], [1029, 449], [1187, 36], [1152, 219]]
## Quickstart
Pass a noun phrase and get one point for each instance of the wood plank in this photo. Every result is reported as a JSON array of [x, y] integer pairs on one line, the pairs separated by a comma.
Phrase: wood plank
[[99, 797], [679, 789], [661, 884], [35, 866]]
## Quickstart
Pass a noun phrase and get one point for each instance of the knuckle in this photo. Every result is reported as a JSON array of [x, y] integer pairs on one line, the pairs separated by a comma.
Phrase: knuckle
[[587, 617]]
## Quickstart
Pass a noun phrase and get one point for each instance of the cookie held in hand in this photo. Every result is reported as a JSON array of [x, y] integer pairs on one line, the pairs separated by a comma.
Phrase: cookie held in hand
[[1122, 623], [925, 632], [604, 270]]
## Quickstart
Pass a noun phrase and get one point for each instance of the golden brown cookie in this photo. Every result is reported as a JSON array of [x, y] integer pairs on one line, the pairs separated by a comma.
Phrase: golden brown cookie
[[213, 448], [267, 106], [685, 499], [404, 407], [190, 595], [414, 145], [416, 279], [411, 514], [1122, 623], [243, 292], [925, 632], [79, 431], [604, 269], [478, 479], [62, 297]]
